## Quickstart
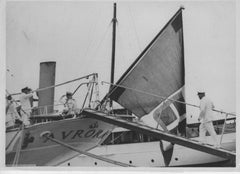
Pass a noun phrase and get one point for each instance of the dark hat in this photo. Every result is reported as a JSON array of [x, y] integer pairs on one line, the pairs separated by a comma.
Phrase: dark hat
[[69, 93], [26, 89], [9, 97], [200, 92]]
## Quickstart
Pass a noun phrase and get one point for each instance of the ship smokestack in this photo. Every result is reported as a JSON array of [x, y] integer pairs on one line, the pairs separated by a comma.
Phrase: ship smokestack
[[46, 79]]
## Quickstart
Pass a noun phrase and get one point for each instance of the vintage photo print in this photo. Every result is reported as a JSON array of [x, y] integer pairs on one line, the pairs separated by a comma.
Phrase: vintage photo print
[[135, 84]]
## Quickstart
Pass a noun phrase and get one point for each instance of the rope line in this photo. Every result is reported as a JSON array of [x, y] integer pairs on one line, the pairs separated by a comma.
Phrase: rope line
[[92, 32], [47, 133], [102, 39], [113, 140], [135, 28], [18, 150], [164, 98], [19, 129], [60, 84], [39, 107]]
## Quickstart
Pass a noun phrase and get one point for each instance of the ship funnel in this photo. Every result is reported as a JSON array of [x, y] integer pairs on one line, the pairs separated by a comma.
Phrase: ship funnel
[[47, 78]]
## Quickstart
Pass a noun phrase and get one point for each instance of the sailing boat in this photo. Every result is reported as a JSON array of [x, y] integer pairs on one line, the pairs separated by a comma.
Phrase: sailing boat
[[153, 86]]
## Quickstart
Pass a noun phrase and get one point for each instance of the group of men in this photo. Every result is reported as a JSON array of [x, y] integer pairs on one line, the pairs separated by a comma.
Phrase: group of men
[[18, 114]]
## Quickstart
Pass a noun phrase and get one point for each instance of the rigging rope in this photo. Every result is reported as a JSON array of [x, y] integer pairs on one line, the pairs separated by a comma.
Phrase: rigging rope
[[19, 129], [92, 32], [47, 133], [53, 86], [164, 98], [18, 150], [102, 39], [113, 140], [46, 106], [135, 28]]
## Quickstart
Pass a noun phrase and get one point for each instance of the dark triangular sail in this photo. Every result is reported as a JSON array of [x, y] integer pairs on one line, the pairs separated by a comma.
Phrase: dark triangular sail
[[158, 70]]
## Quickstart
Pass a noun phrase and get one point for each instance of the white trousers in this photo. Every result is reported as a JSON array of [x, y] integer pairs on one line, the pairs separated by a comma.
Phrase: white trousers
[[26, 117], [208, 126]]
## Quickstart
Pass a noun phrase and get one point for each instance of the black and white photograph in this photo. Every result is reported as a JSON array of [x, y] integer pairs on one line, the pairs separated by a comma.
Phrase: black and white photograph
[[120, 84]]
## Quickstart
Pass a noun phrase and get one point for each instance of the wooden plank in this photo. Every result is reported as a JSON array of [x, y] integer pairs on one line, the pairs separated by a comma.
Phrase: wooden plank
[[147, 130]]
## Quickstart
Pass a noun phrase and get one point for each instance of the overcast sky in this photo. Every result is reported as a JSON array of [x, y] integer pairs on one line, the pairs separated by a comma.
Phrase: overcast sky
[[77, 35]]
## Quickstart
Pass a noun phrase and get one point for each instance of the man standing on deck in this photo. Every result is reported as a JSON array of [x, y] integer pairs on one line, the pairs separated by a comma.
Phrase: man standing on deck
[[70, 104], [206, 118], [11, 112], [26, 108]]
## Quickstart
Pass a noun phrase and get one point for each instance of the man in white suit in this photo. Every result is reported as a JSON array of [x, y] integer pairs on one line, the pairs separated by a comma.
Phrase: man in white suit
[[206, 118]]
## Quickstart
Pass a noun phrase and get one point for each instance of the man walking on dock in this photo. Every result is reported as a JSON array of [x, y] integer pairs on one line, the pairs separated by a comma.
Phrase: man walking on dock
[[206, 118]]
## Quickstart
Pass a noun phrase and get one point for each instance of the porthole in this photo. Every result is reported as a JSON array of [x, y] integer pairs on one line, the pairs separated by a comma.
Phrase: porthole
[[68, 164], [152, 160], [130, 162], [176, 159], [95, 163]]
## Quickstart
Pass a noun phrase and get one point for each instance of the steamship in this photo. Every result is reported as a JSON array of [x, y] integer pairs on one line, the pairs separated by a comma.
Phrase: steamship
[[70, 136]]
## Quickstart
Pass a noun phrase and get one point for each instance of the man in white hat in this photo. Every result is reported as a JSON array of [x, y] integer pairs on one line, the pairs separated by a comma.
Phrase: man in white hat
[[206, 118], [26, 110], [70, 104], [11, 112]]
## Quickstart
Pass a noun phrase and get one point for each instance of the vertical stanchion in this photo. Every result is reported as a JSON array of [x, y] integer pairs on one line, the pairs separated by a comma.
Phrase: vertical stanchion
[[223, 128]]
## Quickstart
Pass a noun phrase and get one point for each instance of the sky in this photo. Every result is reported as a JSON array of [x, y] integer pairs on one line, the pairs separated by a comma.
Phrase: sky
[[77, 35]]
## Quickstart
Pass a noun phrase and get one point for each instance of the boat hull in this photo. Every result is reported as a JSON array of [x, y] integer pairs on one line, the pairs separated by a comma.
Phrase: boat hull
[[81, 133], [148, 154]]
